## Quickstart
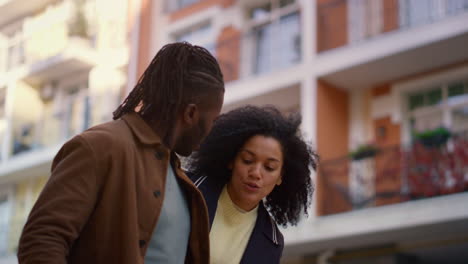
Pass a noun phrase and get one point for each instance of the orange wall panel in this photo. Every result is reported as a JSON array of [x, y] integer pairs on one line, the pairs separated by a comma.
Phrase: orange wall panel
[[144, 56], [391, 15], [332, 28], [332, 142], [332, 121], [228, 52]]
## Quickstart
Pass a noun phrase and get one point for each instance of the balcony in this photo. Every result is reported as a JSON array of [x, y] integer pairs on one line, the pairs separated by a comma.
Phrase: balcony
[[396, 175], [52, 122], [396, 196], [32, 56], [385, 40], [13, 9]]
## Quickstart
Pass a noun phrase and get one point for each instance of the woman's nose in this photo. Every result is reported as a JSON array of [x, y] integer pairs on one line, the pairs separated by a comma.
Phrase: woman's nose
[[255, 171]]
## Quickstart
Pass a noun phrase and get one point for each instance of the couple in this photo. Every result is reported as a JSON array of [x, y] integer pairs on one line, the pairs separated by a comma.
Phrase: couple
[[117, 193]]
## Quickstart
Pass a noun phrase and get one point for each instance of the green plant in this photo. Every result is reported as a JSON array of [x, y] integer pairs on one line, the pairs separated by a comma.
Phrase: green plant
[[434, 137], [364, 151]]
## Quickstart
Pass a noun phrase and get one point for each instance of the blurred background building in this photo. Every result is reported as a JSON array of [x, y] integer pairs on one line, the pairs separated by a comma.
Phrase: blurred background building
[[382, 86], [63, 66]]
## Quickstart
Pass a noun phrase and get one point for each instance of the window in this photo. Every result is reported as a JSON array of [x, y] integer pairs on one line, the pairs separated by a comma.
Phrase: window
[[445, 105], [3, 94], [16, 53], [77, 112], [5, 210], [73, 112], [174, 5], [275, 35], [201, 35], [419, 12], [365, 19]]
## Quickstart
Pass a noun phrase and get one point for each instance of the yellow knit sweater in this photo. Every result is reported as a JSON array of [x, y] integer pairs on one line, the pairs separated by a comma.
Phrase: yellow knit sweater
[[230, 231]]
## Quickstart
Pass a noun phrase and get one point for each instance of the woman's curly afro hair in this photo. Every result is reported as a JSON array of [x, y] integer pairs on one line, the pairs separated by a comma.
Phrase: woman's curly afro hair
[[231, 131]]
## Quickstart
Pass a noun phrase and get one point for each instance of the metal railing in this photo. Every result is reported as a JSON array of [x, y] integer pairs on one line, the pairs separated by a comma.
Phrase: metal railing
[[272, 47], [395, 174], [343, 22]]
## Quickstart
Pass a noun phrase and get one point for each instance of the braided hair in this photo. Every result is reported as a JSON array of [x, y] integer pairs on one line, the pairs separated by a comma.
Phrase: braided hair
[[179, 74], [232, 130]]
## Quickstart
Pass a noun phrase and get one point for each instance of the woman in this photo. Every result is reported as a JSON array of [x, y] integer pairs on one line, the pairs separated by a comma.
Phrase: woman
[[254, 172]]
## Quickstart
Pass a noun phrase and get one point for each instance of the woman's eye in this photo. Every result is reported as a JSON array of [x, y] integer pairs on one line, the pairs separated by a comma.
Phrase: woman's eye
[[269, 168], [247, 161]]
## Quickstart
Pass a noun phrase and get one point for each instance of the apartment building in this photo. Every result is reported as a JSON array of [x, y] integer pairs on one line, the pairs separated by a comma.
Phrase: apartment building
[[63, 68], [382, 86]]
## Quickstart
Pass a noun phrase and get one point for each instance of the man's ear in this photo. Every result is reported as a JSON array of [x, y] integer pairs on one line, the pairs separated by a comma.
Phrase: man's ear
[[191, 114]]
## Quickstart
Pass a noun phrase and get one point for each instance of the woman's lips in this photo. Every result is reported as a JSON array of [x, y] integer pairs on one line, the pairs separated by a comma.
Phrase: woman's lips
[[251, 186]]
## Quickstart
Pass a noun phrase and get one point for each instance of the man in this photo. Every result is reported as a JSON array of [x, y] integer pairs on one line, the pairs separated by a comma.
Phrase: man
[[116, 193]]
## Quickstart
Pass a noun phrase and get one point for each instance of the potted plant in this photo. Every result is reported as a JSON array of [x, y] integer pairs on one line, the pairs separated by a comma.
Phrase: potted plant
[[364, 151], [433, 138]]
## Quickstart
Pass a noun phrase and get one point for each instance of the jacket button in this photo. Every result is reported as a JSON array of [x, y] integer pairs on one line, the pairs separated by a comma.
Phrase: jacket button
[[141, 243], [159, 154], [157, 194]]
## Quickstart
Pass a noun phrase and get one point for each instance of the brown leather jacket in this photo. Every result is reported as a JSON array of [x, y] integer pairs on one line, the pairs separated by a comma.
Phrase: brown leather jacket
[[103, 199]]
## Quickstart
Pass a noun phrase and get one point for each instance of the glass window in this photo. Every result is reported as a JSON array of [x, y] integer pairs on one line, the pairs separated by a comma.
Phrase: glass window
[[425, 98], [198, 35], [289, 39], [365, 19], [444, 106], [263, 51], [4, 219], [277, 44], [419, 12], [456, 89], [458, 92], [260, 12], [16, 54], [195, 34], [3, 91], [184, 3], [427, 121], [284, 3], [434, 97], [415, 101], [460, 119]]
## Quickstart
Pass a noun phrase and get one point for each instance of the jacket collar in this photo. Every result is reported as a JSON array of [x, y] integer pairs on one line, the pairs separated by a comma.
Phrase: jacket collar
[[142, 131], [268, 225], [211, 190]]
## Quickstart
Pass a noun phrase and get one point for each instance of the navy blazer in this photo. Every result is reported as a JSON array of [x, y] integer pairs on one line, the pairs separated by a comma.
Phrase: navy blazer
[[266, 242]]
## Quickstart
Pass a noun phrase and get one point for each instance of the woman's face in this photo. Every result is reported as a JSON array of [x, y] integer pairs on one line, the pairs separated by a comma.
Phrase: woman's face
[[256, 170]]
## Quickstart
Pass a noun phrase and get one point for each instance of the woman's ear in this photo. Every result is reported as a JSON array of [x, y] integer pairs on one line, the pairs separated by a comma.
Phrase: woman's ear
[[279, 181]]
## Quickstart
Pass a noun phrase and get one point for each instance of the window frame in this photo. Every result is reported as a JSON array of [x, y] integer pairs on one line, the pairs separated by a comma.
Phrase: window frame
[[252, 25], [401, 90]]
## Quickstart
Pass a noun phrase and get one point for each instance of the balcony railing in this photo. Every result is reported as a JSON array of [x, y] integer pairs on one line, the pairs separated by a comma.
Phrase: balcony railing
[[45, 36], [342, 22], [262, 50], [395, 174], [54, 126]]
